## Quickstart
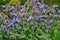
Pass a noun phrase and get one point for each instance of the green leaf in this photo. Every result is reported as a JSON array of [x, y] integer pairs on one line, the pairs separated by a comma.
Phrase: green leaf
[[57, 35]]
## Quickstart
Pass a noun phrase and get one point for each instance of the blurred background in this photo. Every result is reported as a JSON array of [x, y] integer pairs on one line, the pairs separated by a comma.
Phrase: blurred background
[[23, 1]]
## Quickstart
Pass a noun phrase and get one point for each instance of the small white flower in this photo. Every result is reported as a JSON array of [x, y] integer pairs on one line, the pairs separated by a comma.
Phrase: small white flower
[[18, 20], [55, 6]]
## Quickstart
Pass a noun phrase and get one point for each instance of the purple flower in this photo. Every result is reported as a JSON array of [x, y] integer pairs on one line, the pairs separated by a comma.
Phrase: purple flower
[[50, 22], [39, 17], [35, 1], [42, 5], [59, 12], [13, 14]]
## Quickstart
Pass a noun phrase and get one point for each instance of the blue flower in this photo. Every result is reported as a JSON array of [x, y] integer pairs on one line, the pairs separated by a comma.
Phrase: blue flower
[[13, 14], [58, 11], [38, 18], [10, 25], [50, 22], [13, 22], [3, 6]]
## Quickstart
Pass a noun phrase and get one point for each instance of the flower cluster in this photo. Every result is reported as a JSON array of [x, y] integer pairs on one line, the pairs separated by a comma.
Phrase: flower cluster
[[33, 21]]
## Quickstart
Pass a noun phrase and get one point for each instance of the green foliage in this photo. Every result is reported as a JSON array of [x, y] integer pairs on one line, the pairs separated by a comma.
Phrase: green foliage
[[23, 1], [1, 21], [14, 1], [4, 2], [57, 35], [51, 2]]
